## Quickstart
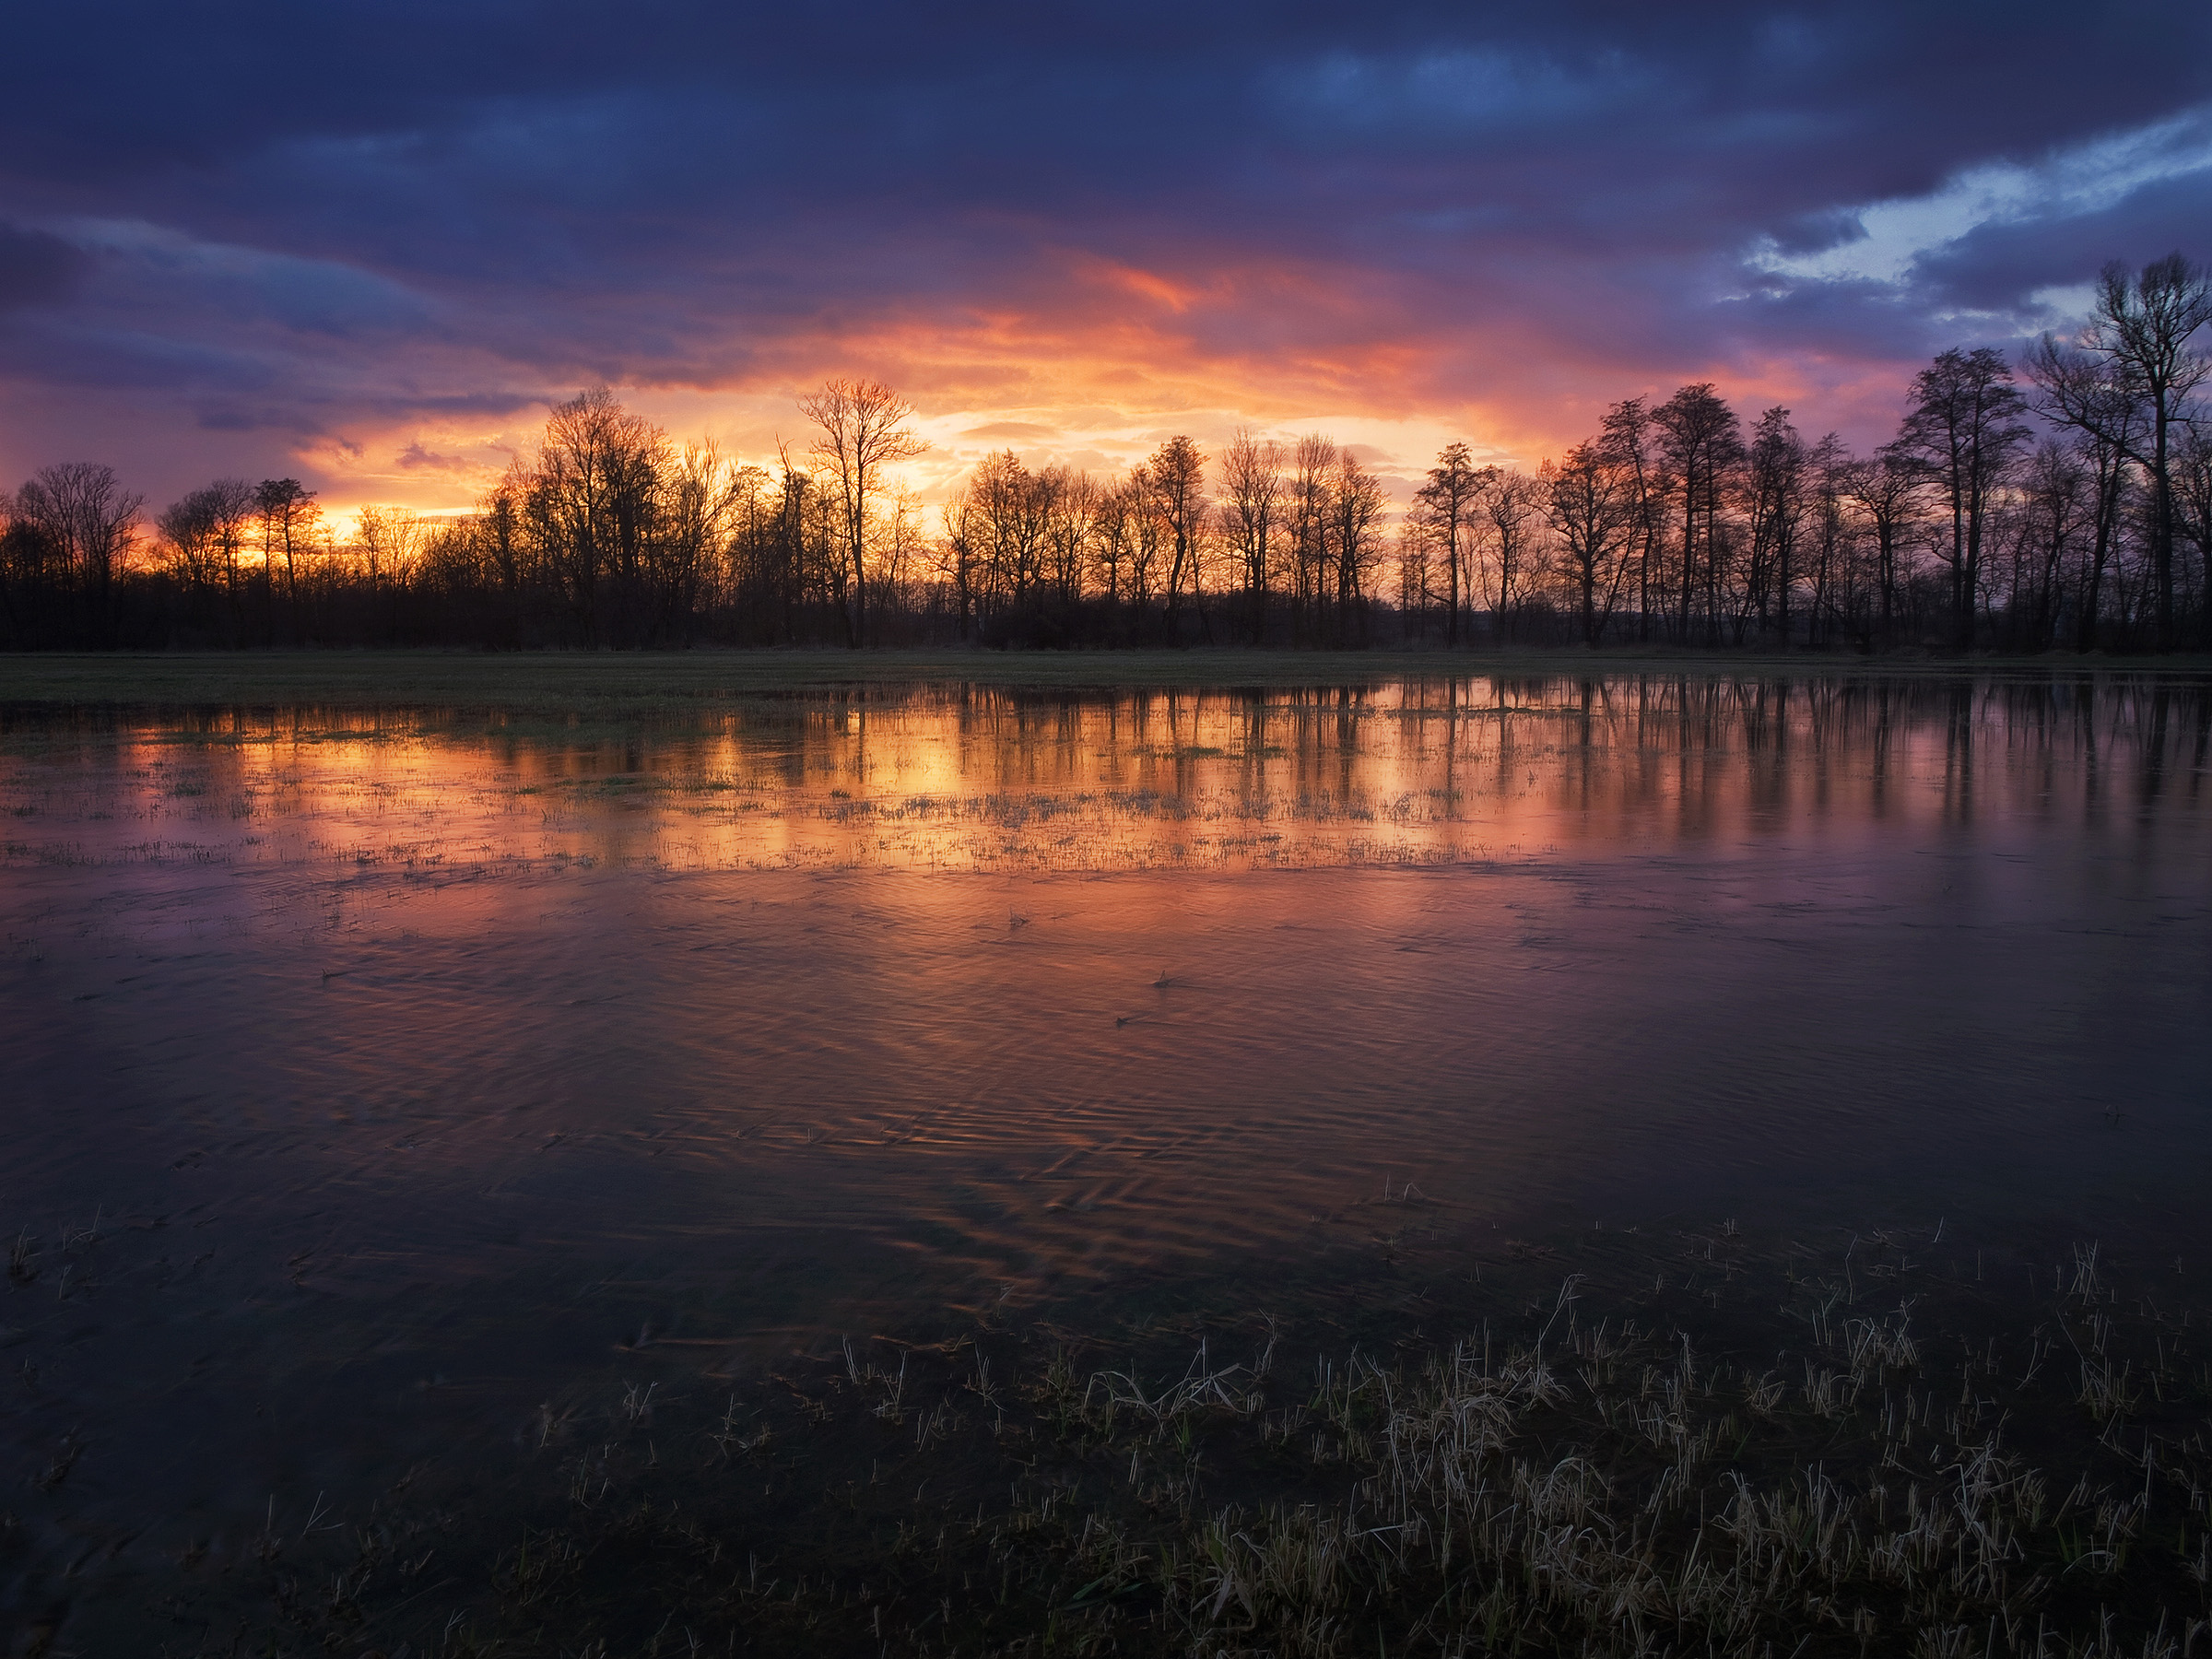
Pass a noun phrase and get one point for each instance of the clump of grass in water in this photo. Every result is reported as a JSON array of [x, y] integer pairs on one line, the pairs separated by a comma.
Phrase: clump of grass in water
[[1698, 1444]]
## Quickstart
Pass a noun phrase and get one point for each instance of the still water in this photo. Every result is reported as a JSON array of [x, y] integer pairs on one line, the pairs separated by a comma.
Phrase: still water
[[410, 1064]]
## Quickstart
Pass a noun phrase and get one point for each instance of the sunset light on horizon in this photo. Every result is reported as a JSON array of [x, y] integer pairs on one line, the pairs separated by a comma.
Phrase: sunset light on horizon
[[1434, 228]]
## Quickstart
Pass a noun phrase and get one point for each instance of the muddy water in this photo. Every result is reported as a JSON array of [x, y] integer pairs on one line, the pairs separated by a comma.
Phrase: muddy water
[[367, 1077]]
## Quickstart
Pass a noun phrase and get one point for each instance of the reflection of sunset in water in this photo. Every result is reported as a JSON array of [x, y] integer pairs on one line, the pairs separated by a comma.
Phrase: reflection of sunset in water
[[1082, 960], [832, 1017], [980, 779]]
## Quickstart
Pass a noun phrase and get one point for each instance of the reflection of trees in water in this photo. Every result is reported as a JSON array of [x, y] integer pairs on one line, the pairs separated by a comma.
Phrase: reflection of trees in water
[[1439, 768]]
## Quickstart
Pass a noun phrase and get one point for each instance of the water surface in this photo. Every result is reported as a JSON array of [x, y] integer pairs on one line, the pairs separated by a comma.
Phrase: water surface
[[422, 1060]]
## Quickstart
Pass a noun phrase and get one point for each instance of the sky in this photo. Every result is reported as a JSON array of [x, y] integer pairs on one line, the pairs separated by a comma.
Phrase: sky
[[367, 245]]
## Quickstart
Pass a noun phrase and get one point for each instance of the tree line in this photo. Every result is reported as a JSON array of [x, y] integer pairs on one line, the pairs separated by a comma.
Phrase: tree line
[[2062, 502]]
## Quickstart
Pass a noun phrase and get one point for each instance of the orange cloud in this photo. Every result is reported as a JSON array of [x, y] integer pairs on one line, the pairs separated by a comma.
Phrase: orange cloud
[[1091, 362]]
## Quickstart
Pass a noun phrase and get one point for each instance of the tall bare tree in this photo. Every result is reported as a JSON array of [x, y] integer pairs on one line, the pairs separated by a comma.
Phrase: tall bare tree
[[702, 499], [2126, 383], [2057, 498], [1630, 438], [1355, 504], [1177, 473], [207, 530], [1887, 493], [863, 427], [1251, 477], [1418, 544], [1071, 511], [1592, 502], [590, 499], [1117, 524], [2193, 515], [1831, 534], [2090, 395], [1779, 501], [83, 510], [1011, 512], [387, 540], [1963, 429], [1312, 464], [1701, 440], [957, 559], [1513, 510], [1455, 489], [288, 516]]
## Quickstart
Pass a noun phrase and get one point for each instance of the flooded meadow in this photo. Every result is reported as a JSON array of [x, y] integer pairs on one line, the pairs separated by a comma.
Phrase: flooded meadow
[[389, 1091]]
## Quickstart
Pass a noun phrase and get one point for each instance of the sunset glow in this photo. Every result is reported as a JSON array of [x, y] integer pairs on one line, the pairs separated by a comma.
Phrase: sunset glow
[[1482, 230]]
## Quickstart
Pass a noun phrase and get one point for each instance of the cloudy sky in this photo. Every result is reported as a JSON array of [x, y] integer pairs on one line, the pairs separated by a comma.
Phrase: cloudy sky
[[366, 244]]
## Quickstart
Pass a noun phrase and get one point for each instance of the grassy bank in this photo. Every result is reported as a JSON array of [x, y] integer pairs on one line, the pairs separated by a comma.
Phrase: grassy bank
[[608, 682], [1688, 1441]]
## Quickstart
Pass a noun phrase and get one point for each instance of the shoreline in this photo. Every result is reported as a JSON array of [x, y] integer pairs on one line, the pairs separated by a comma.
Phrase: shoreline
[[649, 682]]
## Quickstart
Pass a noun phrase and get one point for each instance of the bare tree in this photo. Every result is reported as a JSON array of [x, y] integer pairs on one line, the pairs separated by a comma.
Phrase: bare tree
[[904, 547], [589, 502], [2193, 517], [2127, 382], [1827, 472], [2192, 514], [33, 575], [1963, 429], [1011, 512], [1887, 490], [956, 554], [187, 528], [1147, 531], [1071, 507], [1313, 461], [1418, 545], [1591, 499], [207, 531], [2056, 500], [1116, 522], [387, 541], [1454, 489], [1251, 472], [1512, 508], [85, 512], [863, 426], [1356, 506], [288, 516], [388, 544], [1177, 472], [702, 498], [1629, 440], [2090, 394], [1701, 440], [1778, 503]]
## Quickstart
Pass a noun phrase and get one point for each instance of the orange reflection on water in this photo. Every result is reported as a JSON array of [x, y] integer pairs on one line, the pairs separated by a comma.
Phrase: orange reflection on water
[[967, 987], [985, 778]]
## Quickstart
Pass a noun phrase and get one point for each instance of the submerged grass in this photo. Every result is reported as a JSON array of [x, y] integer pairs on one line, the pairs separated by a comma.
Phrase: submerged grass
[[1633, 1445]]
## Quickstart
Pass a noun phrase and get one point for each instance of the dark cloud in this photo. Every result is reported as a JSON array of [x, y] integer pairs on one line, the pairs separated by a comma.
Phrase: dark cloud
[[1998, 267], [36, 268], [289, 219], [1818, 232]]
